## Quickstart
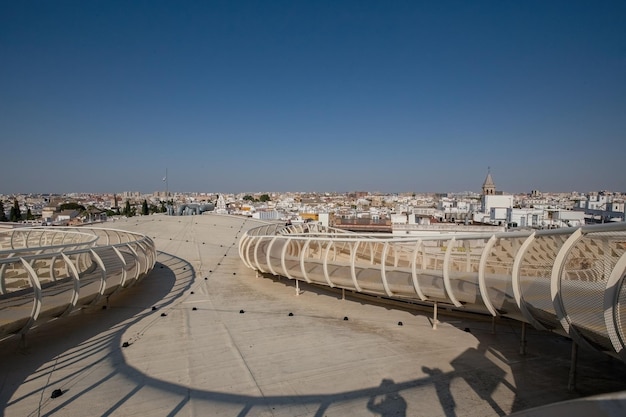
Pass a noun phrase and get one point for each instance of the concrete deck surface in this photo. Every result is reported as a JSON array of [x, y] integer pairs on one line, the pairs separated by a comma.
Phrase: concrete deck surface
[[206, 337]]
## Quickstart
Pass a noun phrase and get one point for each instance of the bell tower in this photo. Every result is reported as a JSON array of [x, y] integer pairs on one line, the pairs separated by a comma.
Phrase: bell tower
[[489, 188]]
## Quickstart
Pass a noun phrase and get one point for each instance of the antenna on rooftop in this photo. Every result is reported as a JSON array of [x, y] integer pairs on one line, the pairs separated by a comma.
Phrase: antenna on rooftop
[[165, 179]]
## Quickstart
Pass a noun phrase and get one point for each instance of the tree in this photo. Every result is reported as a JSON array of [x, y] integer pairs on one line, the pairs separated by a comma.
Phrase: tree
[[29, 215], [163, 208], [264, 198], [126, 212], [72, 206], [3, 216], [248, 198], [144, 208], [16, 214]]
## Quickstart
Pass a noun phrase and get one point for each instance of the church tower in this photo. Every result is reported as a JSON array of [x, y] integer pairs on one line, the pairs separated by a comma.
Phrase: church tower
[[220, 207], [489, 188]]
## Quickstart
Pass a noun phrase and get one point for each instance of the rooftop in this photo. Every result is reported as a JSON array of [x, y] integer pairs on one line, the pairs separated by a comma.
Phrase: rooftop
[[203, 335]]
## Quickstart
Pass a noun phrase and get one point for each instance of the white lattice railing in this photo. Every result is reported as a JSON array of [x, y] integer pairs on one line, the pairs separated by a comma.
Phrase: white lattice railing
[[567, 280], [49, 272]]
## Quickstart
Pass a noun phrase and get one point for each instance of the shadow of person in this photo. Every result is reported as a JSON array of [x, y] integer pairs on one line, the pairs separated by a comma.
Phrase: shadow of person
[[442, 386], [482, 374], [387, 402]]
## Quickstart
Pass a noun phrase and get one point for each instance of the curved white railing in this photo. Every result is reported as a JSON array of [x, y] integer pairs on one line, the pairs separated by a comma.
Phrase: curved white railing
[[570, 281], [49, 272]]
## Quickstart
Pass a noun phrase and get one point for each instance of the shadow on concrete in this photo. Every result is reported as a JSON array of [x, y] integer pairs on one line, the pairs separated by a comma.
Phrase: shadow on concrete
[[390, 403], [538, 376], [91, 332]]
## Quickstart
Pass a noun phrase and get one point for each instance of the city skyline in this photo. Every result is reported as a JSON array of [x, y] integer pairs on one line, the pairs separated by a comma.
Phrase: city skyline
[[203, 195], [312, 96]]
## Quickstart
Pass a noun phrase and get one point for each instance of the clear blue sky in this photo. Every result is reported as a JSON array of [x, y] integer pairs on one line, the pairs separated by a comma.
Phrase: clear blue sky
[[245, 96]]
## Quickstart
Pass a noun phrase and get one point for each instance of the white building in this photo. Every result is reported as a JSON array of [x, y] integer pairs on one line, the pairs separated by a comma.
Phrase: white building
[[494, 206], [503, 201], [525, 217], [266, 215], [220, 207], [602, 206], [569, 218]]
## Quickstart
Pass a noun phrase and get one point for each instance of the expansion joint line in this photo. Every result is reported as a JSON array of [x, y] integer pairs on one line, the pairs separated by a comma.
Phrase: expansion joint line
[[232, 340], [56, 361]]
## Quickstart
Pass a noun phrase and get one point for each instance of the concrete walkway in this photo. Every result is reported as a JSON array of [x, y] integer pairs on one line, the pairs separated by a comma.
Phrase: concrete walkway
[[203, 336]]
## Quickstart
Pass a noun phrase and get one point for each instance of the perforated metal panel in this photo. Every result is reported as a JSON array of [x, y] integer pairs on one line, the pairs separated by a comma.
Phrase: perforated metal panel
[[584, 278], [463, 270], [498, 271], [535, 272], [620, 310]]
